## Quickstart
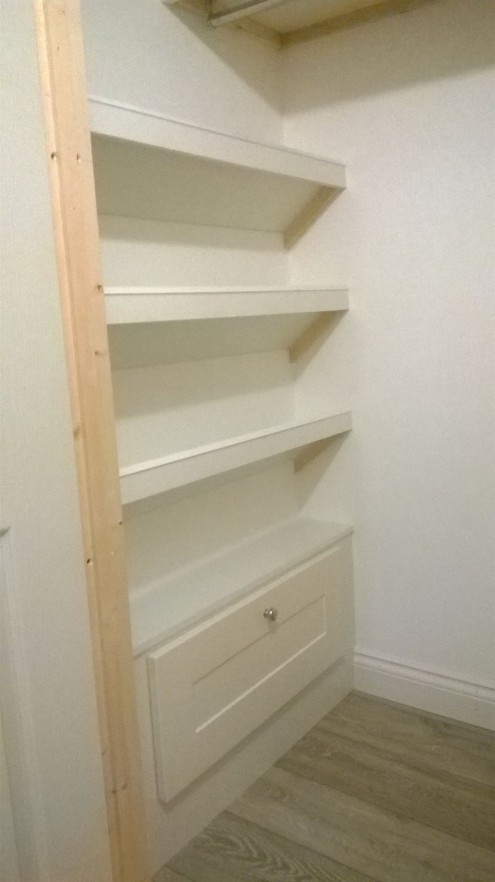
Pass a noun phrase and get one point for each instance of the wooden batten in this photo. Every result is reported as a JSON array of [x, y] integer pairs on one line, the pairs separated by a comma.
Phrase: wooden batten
[[59, 37], [365, 15], [255, 28]]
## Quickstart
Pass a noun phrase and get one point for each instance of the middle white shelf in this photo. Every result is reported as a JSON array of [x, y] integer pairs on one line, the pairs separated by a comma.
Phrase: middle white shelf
[[166, 324], [137, 305], [145, 479], [204, 379]]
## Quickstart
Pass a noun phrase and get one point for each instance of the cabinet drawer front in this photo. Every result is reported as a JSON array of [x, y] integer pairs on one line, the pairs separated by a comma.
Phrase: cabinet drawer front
[[216, 684]]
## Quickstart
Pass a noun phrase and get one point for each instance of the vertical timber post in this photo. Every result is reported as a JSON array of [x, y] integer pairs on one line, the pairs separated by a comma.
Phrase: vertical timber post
[[62, 75]]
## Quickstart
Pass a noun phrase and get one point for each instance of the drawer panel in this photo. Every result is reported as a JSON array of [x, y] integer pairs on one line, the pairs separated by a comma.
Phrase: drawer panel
[[214, 685], [237, 676]]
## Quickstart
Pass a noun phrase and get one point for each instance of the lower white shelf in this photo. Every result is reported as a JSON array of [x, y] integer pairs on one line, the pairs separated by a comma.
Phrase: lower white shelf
[[161, 475], [188, 596]]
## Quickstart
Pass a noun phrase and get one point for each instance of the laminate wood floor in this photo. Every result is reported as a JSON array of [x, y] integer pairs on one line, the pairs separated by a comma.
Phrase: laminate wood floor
[[375, 793]]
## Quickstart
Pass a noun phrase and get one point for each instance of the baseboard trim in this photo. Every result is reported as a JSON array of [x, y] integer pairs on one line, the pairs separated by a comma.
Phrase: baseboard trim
[[426, 690]]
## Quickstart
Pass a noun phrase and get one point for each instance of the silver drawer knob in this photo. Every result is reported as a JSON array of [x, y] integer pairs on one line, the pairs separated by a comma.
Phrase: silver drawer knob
[[270, 614]]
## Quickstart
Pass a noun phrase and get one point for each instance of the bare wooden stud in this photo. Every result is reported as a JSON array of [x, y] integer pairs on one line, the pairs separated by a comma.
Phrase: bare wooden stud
[[61, 60]]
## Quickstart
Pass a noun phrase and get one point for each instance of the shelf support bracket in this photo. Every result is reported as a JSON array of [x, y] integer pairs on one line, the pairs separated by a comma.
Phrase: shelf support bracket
[[321, 324], [322, 199], [309, 453]]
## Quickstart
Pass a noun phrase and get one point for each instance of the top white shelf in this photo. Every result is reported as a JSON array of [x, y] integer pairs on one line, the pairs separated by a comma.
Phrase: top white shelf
[[147, 165]]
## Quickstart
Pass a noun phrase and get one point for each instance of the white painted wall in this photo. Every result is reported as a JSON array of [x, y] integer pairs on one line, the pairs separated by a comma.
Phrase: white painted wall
[[48, 707], [168, 60], [9, 867], [408, 104]]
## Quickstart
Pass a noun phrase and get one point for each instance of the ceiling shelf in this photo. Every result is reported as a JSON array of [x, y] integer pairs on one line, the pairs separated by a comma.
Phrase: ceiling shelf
[[186, 597], [285, 22], [287, 16], [150, 166], [167, 473]]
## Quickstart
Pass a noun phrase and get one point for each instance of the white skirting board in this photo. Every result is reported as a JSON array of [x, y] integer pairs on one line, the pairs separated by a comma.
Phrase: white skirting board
[[426, 690]]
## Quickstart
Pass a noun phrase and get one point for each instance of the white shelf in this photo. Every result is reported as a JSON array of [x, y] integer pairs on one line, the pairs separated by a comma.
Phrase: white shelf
[[289, 17], [130, 123], [165, 325], [150, 166], [186, 597], [151, 478], [135, 305], [288, 22]]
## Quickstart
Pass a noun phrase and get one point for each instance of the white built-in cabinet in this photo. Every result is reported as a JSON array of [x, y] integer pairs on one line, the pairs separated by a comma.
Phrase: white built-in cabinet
[[238, 598]]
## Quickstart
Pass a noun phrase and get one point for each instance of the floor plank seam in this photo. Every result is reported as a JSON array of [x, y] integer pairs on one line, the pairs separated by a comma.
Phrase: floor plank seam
[[400, 813], [281, 836]]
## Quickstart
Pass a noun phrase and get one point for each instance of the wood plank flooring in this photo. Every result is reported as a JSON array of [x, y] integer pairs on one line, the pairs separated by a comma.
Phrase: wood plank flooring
[[375, 793]]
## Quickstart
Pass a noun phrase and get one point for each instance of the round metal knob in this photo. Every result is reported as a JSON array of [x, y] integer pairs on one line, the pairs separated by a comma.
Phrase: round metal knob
[[270, 614]]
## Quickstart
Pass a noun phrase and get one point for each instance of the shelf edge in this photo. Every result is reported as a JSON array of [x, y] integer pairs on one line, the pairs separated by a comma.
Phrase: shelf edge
[[130, 123], [140, 306], [198, 463], [337, 532]]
